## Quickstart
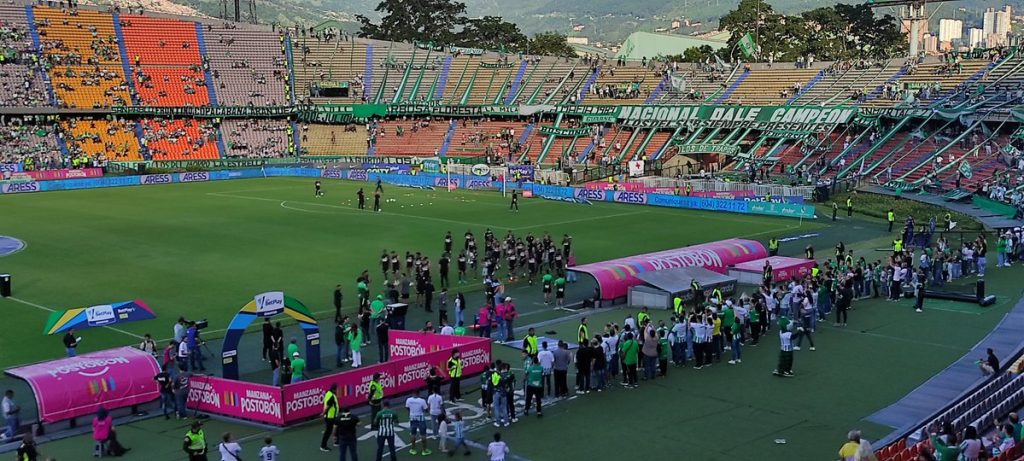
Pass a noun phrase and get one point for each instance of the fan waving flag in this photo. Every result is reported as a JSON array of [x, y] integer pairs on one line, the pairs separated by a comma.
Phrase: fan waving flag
[[965, 169], [747, 45]]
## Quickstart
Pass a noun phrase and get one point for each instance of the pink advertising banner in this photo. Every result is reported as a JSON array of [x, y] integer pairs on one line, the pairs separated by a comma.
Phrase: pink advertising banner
[[783, 268], [305, 400], [77, 386], [614, 277], [405, 343], [48, 175], [237, 399]]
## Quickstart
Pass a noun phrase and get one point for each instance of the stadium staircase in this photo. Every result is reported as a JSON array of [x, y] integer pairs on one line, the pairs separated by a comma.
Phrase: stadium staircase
[[368, 73], [443, 152], [289, 57], [13, 11], [807, 87], [728, 91], [442, 82], [207, 73], [877, 91], [583, 92], [657, 91], [663, 150], [516, 83]]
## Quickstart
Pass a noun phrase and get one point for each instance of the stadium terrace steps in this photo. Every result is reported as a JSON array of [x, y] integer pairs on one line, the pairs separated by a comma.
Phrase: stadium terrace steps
[[443, 152], [443, 81], [766, 87], [588, 84], [622, 79], [187, 139], [116, 140], [165, 61], [473, 139], [732, 87], [424, 142], [246, 66], [333, 140], [70, 43], [807, 87], [877, 91], [517, 83], [12, 90]]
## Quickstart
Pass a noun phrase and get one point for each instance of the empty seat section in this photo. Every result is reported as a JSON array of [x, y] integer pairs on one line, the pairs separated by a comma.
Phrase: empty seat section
[[187, 139], [347, 139], [114, 139], [80, 48], [478, 138], [425, 141], [248, 67], [260, 137], [164, 60]]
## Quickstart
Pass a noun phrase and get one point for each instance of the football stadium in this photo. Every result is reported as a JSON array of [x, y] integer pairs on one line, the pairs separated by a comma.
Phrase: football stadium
[[243, 239]]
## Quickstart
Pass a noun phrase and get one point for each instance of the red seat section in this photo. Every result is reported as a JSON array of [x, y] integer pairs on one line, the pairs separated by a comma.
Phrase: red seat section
[[187, 139], [165, 62]]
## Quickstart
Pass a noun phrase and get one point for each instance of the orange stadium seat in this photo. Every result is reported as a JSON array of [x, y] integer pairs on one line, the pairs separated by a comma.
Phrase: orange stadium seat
[[187, 139], [164, 60]]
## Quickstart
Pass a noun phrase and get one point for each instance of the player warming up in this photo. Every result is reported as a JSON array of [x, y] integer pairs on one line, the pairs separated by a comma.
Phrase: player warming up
[[318, 192], [515, 201]]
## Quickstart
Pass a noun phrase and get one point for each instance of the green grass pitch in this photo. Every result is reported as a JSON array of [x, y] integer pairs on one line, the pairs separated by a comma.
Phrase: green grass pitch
[[202, 250]]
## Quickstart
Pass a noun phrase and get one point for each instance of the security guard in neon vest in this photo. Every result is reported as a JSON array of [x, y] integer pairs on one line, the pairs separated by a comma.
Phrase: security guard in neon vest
[[583, 333], [891, 217], [773, 247], [530, 343], [897, 246], [677, 305], [330, 415], [455, 373], [195, 442], [643, 317], [375, 397], [698, 293], [716, 295], [849, 207], [815, 271]]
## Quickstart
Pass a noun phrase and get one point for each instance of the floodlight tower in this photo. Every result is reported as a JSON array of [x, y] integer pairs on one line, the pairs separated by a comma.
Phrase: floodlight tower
[[914, 12]]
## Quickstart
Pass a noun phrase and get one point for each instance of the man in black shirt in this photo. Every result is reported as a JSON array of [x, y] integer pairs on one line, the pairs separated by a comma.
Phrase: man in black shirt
[[71, 342], [337, 299], [428, 295], [376, 199], [317, 192], [277, 341], [268, 341], [448, 242], [341, 340], [362, 199], [163, 381], [515, 201], [443, 268], [346, 426], [382, 339]]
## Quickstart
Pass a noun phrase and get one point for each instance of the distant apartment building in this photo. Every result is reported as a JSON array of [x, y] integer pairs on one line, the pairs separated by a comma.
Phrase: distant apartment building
[[950, 30], [996, 26]]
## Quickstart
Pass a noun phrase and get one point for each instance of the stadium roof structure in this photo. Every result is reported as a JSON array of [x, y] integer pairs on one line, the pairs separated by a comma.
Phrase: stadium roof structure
[[648, 45]]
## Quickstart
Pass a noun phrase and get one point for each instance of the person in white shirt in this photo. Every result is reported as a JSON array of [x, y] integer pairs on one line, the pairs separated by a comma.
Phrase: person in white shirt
[[436, 403], [677, 338], [546, 359], [183, 354], [497, 450], [630, 322], [447, 329], [269, 452], [417, 422], [229, 450]]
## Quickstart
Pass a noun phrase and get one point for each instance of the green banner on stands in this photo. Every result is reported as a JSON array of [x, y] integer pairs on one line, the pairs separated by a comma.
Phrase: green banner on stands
[[762, 117], [496, 65], [564, 132], [599, 119], [706, 148], [206, 111]]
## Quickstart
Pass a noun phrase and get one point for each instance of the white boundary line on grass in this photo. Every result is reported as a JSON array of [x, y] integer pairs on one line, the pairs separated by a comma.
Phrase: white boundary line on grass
[[47, 309]]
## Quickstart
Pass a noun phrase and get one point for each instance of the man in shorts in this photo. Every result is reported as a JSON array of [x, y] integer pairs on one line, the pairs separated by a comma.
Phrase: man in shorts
[[417, 423], [546, 281]]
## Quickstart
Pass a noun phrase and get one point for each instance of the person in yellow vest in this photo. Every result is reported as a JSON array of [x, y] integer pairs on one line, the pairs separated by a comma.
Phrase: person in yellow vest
[[583, 333], [815, 271], [530, 343], [698, 293], [677, 305], [897, 246], [849, 207], [689, 189], [773, 246], [891, 217], [330, 415], [455, 373], [643, 317], [195, 442], [716, 296], [375, 396]]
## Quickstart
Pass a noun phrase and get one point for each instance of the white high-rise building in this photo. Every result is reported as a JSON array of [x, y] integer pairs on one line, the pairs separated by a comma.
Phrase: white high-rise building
[[950, 29], [975, 37], [996, 25]]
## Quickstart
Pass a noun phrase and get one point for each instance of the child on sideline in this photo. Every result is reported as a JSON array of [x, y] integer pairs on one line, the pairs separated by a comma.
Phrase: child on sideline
[[442, 432], [460, 435], [269, 452]]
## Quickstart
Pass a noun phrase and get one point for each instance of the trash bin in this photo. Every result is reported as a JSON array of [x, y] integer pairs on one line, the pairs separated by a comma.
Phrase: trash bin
[[5, 285]]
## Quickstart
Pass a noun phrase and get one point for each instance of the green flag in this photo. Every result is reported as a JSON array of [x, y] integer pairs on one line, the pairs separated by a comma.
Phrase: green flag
[[965, 169], [747, 45]]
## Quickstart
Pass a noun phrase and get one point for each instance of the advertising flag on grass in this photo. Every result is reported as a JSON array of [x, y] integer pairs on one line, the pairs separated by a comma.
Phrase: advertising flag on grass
[[81, 318]]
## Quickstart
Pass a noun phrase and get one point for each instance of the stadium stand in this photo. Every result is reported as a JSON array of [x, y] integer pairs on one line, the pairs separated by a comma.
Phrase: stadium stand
[[115, 140], [255, 138], [187, 139], [164, 61], [32, 142], [21, 82], [248, 66], [328, 140], [475, 138], [421, 138]]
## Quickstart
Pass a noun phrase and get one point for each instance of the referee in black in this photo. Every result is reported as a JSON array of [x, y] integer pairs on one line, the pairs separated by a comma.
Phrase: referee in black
[[362, 199], [515, 201]]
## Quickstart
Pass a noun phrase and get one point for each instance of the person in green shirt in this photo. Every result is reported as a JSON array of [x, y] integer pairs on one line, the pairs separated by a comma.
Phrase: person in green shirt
[[534, 385], [728, 319], [663, 351], [460, 330], [559, 291], [364, 293], [355, 342], [736, 332], [293, 348], [944, 452], [377, 308], [298, 368], [545, 283], [629, 349]]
